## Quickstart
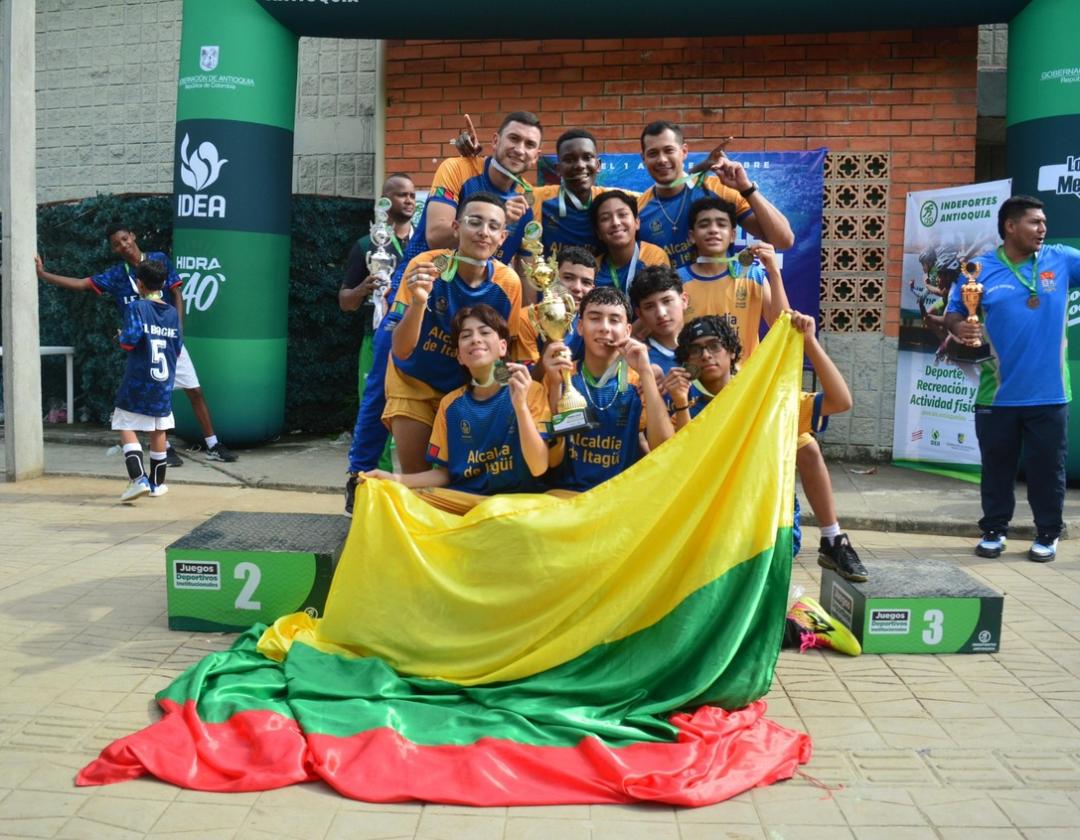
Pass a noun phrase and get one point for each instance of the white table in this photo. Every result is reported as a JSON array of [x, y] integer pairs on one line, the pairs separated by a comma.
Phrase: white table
[[69, 354]]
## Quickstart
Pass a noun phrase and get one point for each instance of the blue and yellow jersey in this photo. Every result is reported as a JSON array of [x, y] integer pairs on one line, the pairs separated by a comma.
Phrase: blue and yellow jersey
[[595, 455], [479, 443], [455, 180], [660, 356], [151, 337], [610, 275], [666, 221], [738, 299], [433, 368], [528, 347], [563, 222], [118, 282], [811, 420]]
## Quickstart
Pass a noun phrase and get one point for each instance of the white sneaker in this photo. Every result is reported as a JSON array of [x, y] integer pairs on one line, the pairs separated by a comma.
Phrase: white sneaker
[[1043, 550], [158, 489], [139, 487]]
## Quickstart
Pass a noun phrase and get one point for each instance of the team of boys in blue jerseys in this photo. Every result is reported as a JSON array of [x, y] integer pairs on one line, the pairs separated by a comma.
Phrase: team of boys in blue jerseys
[[455, 427]]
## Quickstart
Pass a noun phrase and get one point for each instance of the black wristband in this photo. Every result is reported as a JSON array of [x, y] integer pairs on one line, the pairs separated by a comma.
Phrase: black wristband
[[681, 407], [749, 191]]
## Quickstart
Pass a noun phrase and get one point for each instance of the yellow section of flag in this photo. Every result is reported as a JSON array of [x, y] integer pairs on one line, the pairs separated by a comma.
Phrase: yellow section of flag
[[523, 583]]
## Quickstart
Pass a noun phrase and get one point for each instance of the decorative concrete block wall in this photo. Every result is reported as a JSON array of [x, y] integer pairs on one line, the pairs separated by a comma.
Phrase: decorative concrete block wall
[[106, 86]]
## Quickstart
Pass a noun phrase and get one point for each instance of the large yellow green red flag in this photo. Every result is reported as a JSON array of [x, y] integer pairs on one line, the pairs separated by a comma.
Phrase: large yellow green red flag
[[609, 647]]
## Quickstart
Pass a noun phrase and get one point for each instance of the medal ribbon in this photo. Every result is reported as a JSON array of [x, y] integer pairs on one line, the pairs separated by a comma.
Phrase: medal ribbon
[[1015, 269], [397, 241], [517, 179], [619, 369], [564, 193], [456, 258], [731, 263], [685, 178], [630, 272]]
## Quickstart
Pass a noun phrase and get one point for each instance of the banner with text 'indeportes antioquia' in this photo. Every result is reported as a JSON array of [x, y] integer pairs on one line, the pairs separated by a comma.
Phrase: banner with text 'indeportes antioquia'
[[934, 423]]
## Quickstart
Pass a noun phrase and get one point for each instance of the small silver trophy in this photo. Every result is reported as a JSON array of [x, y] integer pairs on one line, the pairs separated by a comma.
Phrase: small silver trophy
[[380, 262]]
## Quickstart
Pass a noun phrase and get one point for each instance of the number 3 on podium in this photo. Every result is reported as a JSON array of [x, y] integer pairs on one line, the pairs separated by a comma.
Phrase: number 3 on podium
[[933, 633]]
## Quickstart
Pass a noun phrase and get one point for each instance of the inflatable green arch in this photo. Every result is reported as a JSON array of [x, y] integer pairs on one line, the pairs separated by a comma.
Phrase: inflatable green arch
[[234, 138]]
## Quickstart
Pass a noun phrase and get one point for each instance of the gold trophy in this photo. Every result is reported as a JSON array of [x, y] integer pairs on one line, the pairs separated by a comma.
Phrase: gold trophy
[[552, 317], [971, 294]]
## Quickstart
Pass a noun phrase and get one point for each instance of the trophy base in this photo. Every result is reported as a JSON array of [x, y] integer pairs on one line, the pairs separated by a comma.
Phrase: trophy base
[[573, 420], [966, 355]]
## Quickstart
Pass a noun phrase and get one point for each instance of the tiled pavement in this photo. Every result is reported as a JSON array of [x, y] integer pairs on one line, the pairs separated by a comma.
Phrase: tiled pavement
[[983, 746]]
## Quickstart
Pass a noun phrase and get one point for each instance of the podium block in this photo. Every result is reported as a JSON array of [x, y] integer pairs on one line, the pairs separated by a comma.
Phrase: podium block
[[237, 569], [916, 606]]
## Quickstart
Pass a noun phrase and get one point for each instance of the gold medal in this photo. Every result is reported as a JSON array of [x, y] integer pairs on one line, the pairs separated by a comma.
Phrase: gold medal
[[441, 263], [1033, 302], [745, 258]]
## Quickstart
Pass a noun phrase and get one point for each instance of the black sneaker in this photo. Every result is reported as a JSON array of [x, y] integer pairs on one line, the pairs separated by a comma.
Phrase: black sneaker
[[350, 494], [991, 545], [220, 452], [839, 556], [172, 459]]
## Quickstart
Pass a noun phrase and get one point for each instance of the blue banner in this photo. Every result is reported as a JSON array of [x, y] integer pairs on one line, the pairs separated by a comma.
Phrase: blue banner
[[793, 181]]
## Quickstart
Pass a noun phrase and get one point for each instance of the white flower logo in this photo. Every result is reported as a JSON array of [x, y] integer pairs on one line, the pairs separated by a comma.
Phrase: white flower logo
[[201, 168]]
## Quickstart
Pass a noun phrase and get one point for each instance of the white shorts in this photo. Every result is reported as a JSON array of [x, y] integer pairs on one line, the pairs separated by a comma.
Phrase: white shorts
[[129, 421], [185, 372]]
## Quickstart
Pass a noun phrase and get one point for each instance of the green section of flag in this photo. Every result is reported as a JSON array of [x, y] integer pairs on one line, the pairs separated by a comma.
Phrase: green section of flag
[[718, 647]]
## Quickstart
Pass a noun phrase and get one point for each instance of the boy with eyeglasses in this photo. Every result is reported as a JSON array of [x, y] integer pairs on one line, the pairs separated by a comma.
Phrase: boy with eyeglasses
[[423, 365], [708, 353]]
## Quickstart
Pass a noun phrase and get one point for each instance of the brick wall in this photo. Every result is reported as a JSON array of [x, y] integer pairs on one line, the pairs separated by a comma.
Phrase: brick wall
[[911, 94]]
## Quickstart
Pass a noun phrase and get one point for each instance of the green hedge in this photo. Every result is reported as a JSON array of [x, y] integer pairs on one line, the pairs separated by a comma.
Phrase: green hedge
[[323, 341]]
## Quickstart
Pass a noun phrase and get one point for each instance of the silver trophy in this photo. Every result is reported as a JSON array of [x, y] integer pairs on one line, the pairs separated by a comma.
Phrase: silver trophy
[[380, 262]]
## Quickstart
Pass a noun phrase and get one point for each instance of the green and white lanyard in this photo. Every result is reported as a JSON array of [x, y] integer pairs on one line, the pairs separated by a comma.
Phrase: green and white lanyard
[[455, 259], [1033, 291], [685, 178], [731, 264], [619, 369], [526, 187], [564, 193], [630, 272]]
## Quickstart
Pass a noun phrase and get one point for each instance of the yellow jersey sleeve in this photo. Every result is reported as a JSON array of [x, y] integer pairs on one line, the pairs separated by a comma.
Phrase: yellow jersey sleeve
[[525, 348], [539, 407], [451, 176], [506, 278], [653, 254], [742, 206]]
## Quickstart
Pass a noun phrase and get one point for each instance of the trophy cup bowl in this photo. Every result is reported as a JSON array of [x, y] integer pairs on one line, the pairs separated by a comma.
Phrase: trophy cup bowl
[[552, 317], [971, 293]]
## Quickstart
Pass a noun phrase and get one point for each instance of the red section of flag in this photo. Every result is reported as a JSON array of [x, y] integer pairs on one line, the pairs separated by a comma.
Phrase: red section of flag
[[717, 755]]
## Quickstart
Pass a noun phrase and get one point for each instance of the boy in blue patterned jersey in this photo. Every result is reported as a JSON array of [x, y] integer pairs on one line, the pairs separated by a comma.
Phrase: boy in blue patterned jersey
[[615, 217], [515, 149], [118, 281], [423, 365], [488, 436], [563, 208], [660, 302], [613, 368], [708, 353], [151, 337], [664, 208]]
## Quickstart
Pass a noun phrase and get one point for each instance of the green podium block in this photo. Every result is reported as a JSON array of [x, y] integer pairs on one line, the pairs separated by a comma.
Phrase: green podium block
[[237, 569], [916, 606]]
